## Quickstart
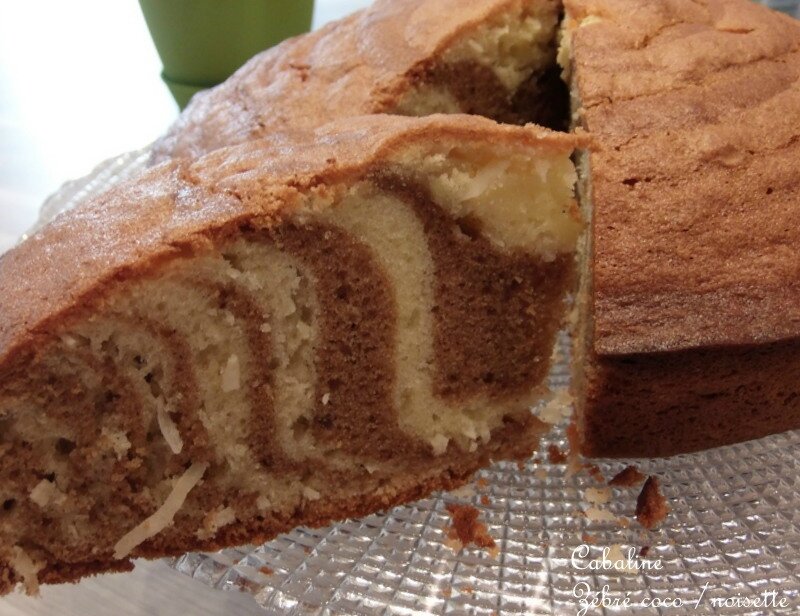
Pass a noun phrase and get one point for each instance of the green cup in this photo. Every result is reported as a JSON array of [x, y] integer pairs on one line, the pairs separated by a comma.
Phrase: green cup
[[201, 42]]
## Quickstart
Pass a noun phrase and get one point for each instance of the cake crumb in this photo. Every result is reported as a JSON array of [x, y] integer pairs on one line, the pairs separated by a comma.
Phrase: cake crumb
[[325, 399], [468, 589], [588, 538], [266, 570], [485, 501], [214, 520], [628, 477], [247, 586], [482, 482], [594, 472], [651, 506], [644, 551], [447, 592], [557, 409], [595, 514], [466, 528], [555, 455], [598, 496]]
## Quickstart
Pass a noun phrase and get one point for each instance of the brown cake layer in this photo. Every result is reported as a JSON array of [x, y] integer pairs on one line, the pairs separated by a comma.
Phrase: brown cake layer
[[486, 332], [693, 308], [355, 352]]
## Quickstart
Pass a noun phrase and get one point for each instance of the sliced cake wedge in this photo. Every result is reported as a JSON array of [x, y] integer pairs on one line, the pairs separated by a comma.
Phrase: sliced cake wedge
[[283, 333]]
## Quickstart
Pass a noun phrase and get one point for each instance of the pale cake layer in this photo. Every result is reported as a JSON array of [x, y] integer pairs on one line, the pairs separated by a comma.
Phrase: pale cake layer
[[377, 338], [412, 57]]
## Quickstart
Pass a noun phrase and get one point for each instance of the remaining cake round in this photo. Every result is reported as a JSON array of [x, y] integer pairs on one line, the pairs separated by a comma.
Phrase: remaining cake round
[[690, 334], [284, 333]]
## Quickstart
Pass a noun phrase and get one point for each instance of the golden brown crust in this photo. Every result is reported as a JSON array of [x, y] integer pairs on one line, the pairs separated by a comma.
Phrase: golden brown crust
[[357, 66], [180, 206], [696, 190]]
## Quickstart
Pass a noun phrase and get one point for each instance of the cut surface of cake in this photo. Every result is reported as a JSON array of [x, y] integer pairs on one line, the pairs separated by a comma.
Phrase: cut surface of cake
[[284, 333], [690, 320]]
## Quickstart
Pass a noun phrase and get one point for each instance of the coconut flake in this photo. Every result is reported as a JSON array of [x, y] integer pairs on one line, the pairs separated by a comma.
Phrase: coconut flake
[[169, 430], [311, 494], [439, 443], [25, 568], [118, 440], [46, 492], [230, 375], [163, 517]]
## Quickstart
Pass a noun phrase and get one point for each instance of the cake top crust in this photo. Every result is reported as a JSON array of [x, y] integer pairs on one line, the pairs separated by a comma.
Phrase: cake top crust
[[355, 66], [695, 107], [180, 207]]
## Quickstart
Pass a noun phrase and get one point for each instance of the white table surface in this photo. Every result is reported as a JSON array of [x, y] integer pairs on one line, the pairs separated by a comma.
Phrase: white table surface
[[79, 83]]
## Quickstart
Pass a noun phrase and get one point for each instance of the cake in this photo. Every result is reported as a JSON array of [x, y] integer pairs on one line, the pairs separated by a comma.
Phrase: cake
[[409, 57], [385, 290], [689, 333], [287, 332], [687, 328]]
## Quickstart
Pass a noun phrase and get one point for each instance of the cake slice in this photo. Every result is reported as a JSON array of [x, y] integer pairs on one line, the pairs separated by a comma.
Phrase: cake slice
[[494, 58], [284, 333], [690, 309]]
